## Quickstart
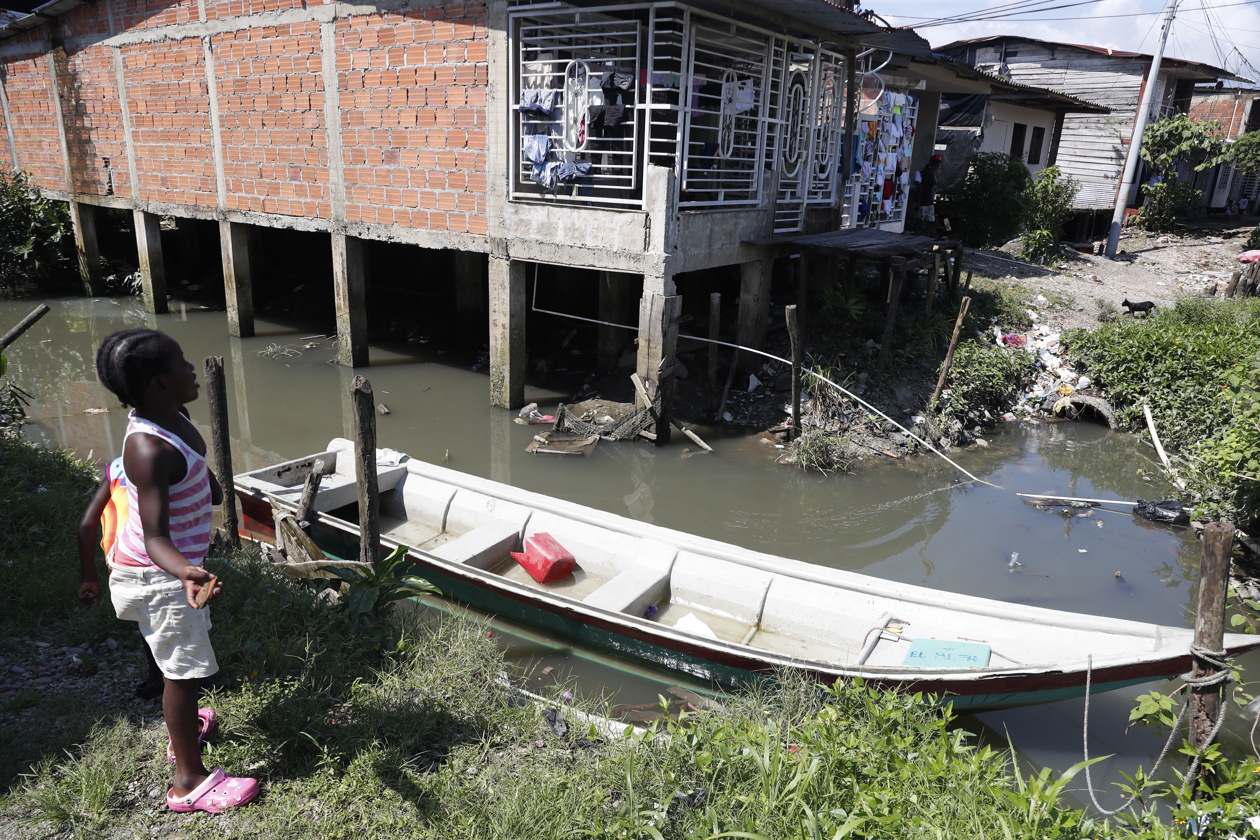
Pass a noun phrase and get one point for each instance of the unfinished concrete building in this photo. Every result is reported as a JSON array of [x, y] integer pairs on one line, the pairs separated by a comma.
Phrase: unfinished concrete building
[[636, 142]]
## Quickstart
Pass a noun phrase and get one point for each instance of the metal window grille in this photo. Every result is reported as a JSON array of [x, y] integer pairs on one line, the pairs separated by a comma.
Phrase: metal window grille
[[725, 113], [578, 131]]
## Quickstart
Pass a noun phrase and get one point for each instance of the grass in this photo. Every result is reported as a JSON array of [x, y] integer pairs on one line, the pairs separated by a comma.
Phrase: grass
[[408, 729]]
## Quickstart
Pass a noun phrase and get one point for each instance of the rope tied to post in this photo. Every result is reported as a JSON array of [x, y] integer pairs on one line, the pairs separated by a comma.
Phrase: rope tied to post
[[1202, 655]]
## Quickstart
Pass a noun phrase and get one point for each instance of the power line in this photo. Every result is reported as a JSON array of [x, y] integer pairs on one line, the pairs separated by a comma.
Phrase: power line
[[980, 16]]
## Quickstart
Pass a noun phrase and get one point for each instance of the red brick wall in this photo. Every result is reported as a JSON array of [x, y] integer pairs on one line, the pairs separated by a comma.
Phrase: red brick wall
[[271, 117], [223, 9], [170, 122], [413, 109], [149, 14], [28, 85], [6, 159], [93, 119], [1226, 110], [412, 93]]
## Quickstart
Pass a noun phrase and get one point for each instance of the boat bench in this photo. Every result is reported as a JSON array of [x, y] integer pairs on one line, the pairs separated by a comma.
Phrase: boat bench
[[631, 591], [484, 547]]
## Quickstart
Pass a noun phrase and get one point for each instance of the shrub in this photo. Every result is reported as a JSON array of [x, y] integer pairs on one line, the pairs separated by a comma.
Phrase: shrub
[[989, 204], [1171, 361], [1253, 241], [1228, 463], [982, 376], [1049, 207], [1164, 202], [36, 243]]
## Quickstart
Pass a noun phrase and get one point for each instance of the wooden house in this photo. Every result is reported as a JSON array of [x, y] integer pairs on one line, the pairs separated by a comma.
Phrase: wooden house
[[1092, 145]]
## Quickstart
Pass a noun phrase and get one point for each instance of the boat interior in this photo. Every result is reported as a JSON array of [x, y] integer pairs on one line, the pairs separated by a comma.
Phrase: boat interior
[[695, 586]]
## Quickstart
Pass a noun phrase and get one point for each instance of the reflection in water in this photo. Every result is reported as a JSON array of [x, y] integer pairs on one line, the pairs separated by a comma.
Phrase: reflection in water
[[910, 521]]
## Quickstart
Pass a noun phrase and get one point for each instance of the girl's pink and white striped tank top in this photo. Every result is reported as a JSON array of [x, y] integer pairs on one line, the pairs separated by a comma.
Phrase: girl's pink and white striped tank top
[[189, 504]]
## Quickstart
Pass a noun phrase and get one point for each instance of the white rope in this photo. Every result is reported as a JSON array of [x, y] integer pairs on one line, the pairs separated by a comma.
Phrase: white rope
[[1210, 657], [788, 362]]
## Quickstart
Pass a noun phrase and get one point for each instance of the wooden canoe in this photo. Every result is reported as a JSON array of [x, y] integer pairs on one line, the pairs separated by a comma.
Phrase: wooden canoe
[[715, 611]]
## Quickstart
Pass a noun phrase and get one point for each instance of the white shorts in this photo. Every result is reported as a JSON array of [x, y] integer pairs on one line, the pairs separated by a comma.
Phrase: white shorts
[[927, 213], [178, 635]]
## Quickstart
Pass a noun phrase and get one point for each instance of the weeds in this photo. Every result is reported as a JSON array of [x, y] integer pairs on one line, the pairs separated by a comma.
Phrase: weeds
[[823, 451]]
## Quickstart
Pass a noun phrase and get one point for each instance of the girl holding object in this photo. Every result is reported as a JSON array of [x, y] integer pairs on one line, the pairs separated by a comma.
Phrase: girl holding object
[[156, 566]]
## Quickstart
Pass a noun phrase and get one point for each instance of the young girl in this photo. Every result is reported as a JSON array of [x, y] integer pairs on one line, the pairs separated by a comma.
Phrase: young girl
[[156, 564]]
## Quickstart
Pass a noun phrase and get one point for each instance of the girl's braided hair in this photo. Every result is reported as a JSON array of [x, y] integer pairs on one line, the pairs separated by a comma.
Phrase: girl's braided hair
[[128, 359]]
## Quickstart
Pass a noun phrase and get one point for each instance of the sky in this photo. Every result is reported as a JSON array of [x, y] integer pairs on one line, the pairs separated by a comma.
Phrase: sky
[[1222, 33]]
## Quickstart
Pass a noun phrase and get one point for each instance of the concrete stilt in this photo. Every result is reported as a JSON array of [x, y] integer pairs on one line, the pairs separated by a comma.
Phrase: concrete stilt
[[507, 332], [152, 264], [502, 446], [658, 338], [350, 287], [614, 306], [472, 290], [237, 283], [87, 246], [754, 303]]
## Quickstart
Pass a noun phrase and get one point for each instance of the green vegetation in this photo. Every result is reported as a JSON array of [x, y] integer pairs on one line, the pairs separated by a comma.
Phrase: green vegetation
[[1167, 145], [983, 377], [989, 204], [824, 451], [1049, 207], [36, 243], [1194, 366], [409, 730]]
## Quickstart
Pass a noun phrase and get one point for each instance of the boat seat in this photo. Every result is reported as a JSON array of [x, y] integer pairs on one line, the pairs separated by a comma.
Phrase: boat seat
[[483, 547], [631, 591]]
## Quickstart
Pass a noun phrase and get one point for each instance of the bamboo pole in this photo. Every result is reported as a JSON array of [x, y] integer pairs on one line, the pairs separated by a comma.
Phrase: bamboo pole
[[949, 355], [221, 439], [1209, 630], [365, 470], [23, 325], [795, 336]]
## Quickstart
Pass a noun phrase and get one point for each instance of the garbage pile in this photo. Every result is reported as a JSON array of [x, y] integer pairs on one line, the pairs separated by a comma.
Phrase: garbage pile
[[1058, 389]]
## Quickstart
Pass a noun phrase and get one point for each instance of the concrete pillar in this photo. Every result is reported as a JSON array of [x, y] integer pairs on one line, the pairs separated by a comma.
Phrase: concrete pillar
[[237, 283], [507, 332], [658, 339], [754, 303], [152, 265], [350, 287], [614, 307], [472, 288], [502, 445], [87, 246]]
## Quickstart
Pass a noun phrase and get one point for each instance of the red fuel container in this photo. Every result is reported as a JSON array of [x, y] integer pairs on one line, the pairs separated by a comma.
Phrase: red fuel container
[[544, 558]]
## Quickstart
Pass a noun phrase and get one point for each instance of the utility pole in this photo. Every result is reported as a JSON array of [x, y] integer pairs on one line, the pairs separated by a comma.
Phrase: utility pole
[[1139, 127]]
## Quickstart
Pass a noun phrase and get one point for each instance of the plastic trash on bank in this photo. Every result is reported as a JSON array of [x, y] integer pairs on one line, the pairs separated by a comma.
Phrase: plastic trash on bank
[[1167, 512]]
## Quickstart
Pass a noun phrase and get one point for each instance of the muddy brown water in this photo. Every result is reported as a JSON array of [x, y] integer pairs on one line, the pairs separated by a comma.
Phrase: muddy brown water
[[908, 521]]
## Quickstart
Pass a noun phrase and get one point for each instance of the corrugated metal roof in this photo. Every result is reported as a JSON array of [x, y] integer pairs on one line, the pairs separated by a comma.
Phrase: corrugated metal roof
[[15, 22], [1017, 92], [1207, 70]]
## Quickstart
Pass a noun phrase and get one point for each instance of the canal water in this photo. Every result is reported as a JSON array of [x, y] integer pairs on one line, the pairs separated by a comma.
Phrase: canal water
[[909, 521]]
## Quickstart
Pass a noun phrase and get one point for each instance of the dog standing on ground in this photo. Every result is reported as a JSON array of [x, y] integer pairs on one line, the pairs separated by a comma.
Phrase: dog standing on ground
[[1143, 306]]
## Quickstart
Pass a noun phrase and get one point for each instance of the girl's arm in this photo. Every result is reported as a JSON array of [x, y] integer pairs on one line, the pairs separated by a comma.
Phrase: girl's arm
[[89, 526], [216, 491], [152, 465]]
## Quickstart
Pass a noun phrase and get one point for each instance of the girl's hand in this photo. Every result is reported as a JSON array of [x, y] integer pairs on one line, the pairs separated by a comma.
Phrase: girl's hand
[[194, 578], [89, 593]]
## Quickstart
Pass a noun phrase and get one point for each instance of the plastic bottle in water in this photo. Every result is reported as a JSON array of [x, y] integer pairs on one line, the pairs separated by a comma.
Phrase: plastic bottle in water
[[1014, 562]]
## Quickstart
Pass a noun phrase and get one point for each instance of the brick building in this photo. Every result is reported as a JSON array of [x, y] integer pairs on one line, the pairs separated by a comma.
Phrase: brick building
[[634, 143]]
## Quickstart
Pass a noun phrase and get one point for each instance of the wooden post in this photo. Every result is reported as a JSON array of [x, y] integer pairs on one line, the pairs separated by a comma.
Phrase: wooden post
[[931, 289], [949, 354], [221, 439], [365, 470], [794, 335], [715, 324], [1209, 627], [896, 275], [23, 325], [1233, 283], [310, 489]]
